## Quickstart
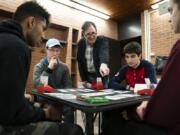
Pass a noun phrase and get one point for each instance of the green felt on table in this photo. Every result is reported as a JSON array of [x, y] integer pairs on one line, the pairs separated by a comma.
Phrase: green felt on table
[[96, 100]]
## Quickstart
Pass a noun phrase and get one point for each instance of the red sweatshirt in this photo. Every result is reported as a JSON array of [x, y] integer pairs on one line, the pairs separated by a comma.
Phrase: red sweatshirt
[[164, 106]]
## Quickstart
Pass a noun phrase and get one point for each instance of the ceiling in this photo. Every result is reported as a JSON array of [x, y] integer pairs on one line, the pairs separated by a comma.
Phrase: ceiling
[[118, 9]]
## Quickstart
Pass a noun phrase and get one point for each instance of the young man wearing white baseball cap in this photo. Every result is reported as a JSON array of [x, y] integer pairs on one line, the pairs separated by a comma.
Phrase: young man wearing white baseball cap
[[56, 71]]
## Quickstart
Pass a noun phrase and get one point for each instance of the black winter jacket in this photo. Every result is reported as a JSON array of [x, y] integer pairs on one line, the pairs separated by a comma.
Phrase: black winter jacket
[[15, 59], [100, 55]]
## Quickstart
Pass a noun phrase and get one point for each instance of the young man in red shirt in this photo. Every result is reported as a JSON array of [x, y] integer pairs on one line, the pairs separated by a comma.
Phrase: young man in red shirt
[[135, 71]]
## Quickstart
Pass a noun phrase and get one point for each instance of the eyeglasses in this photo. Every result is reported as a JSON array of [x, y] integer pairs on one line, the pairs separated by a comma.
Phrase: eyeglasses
[[90, 34], [54, 50]]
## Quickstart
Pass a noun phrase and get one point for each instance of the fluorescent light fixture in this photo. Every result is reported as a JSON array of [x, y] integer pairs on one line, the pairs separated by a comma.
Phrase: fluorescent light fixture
[[83, 8], [156, 5]]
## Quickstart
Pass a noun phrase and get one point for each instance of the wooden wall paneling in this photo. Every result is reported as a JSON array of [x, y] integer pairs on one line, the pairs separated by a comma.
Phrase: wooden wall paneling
[[74, 72], [37, 55], [78, 75]]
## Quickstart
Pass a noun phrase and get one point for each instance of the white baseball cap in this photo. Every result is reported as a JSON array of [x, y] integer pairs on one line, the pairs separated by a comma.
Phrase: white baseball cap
[[53, 42]]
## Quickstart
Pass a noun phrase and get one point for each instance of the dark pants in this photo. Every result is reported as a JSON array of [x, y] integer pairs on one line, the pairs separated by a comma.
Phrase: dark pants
[[42, 128], [110, 116], [133, 128], [115, 124], [89, 127], [117, 114], [68, 114]]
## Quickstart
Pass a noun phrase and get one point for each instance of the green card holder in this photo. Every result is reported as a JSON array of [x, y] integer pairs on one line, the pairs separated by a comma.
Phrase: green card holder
[[96, 100]]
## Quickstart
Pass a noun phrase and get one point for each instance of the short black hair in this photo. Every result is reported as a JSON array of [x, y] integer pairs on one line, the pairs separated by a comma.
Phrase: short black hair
[[86, 25], [133, 47], [31, 8]]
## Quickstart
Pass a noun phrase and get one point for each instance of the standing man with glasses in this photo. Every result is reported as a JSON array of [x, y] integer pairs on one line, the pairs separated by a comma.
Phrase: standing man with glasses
[[92, 55], [56, 71], [93, 59]]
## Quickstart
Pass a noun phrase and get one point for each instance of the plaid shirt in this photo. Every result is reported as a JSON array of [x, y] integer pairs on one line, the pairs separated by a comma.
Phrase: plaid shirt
[[89, 58]]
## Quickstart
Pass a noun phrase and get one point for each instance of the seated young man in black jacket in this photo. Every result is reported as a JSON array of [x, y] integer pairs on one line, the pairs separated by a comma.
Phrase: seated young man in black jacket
[[18, 115]]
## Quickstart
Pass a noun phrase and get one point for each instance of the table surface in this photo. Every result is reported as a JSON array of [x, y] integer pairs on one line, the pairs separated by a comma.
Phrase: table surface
[[87, 107]]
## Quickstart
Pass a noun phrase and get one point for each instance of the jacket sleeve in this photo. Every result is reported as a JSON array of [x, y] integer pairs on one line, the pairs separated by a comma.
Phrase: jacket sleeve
[[66, 78], [80, 56], [36, 74], [115, 82], [29, 113], [16, 109], [104, 51], [151, 73]]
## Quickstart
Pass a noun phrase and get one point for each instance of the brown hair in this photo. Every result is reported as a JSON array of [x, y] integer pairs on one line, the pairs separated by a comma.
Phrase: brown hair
[[133, 47]]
